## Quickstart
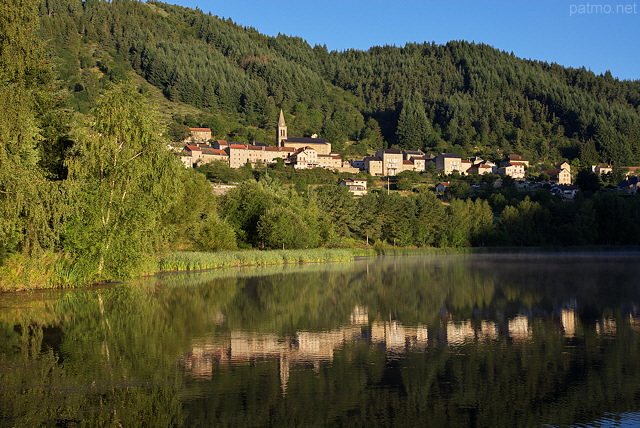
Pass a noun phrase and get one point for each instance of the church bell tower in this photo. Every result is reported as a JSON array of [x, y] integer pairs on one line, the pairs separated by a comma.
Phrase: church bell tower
[[281, 130]]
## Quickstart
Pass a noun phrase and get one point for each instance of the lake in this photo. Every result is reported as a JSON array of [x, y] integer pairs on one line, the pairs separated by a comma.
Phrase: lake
[[486, 340]]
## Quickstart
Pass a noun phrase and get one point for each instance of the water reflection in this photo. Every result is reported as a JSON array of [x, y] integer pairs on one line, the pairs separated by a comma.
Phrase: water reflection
[[455, 341]]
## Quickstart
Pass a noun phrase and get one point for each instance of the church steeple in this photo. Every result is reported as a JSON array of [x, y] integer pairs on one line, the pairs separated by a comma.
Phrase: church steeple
[[281, 130]]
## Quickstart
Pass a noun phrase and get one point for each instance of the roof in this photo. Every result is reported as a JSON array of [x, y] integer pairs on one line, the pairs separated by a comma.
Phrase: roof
[[214, 152], [261, 144], [414, 152], [372, 159], [630, 181], [281, 121], [407, 162], [305, 140], [392, 151], [237, 146], [200, 129], [552, 171], [443, 183], [516, 158], [415, 158], [192, 148], [448, 155]]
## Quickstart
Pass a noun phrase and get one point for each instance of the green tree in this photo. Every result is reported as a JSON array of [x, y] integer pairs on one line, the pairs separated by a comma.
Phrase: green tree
[[123, 180], [414, 126], [31, 206]]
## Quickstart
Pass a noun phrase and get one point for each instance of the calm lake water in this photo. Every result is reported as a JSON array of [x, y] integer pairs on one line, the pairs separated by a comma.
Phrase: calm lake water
[[487, 341]]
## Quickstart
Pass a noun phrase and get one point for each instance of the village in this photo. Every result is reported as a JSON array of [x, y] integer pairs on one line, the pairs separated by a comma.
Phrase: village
[[312, 152]]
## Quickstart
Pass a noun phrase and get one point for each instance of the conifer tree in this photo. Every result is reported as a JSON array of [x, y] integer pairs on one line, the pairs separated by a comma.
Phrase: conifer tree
[[413, 124]]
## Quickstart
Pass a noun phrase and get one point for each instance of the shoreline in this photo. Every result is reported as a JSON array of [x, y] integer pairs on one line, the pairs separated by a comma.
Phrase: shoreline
[[193, 261]]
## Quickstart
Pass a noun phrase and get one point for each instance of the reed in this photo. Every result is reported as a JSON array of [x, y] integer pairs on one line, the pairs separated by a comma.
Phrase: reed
[[191, 260]]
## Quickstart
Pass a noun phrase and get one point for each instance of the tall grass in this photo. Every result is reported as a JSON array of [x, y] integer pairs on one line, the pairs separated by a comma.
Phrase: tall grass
[[190, 260]]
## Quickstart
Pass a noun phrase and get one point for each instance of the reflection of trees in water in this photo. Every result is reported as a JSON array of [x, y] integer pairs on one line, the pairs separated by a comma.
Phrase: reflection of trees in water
[[497, 330]]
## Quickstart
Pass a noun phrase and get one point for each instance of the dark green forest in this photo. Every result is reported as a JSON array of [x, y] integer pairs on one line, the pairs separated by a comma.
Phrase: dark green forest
[[93, 91], [463, 97]]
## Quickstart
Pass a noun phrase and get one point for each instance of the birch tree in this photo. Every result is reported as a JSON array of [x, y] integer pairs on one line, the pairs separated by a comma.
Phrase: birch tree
[[123, 180]]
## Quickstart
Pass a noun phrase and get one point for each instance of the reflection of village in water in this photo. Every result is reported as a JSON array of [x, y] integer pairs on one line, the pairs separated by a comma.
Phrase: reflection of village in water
[[314, 348]]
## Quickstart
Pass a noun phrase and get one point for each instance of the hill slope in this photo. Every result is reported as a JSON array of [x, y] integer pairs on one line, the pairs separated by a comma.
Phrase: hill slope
[[475, 98]]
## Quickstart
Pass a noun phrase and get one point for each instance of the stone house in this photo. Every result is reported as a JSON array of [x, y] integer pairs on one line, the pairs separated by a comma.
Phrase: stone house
[[419, 163], [391, 161], [442, 186], [482, 168], [199, 134], [304, 158], [210, 155], [356, 186], [448, 162], [373, 165], [630, 185], [513, 169], [331, 161], [560, 175], [601, 169]]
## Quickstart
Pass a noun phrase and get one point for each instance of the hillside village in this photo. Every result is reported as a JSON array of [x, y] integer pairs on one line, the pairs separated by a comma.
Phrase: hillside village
[[312, 152]]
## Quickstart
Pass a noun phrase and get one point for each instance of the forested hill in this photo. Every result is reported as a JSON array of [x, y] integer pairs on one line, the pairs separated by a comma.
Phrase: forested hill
[[460, 97]]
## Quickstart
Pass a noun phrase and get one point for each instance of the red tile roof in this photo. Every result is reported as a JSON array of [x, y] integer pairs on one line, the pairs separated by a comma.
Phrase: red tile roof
[[192, 148], [200, 129]]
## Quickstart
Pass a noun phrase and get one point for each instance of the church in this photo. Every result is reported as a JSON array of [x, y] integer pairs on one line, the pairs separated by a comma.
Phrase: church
[[282, 140]]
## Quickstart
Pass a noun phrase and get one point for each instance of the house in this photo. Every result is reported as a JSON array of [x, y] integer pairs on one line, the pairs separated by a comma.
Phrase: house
[[373, 165], [565, 192], [210, 155], [485, 167], [238, 154], [391, 161], [356, 186], [358, 164], [560, 175], [513, 169], [199, 134], [332, 161], [465, 166], [514, 158], [476, 160], [304, 158], [448, 162], [601, 169], [442, 186], [419, 163], [630, 185], [407, 165]]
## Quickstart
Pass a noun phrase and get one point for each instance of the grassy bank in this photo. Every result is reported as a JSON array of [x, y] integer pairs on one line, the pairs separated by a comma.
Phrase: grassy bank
[[182, 261], [51, 270]]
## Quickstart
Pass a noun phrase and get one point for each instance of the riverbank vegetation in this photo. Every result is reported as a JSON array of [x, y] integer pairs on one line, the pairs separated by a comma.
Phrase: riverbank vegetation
[[90, 193]]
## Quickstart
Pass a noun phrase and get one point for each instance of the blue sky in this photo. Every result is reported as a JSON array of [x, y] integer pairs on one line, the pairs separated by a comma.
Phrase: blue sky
[[597, 34]]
